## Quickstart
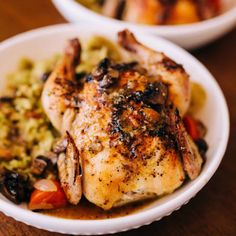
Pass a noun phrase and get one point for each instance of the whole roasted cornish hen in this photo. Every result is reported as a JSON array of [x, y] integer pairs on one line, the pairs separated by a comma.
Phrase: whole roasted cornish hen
[[123, 126]]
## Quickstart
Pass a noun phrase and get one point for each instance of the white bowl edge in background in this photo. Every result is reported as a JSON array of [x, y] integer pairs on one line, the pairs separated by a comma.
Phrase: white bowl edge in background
[[41, 44], [188, 36]]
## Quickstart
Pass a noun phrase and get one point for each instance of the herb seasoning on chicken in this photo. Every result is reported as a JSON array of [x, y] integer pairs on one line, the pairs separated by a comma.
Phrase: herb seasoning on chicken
[[126, 127]]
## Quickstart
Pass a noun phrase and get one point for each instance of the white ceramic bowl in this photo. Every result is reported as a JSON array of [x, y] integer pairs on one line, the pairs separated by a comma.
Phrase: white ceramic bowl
[[188, 36], [43, 43]]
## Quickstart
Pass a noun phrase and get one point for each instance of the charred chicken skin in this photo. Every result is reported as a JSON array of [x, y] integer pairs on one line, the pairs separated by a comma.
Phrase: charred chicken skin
[[123, 126]]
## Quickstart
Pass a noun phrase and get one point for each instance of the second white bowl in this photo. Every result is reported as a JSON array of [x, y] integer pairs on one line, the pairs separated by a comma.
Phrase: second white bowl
[[188, 36]]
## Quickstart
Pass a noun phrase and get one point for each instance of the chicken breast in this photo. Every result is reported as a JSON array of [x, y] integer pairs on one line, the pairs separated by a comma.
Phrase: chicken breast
[[130, 138]]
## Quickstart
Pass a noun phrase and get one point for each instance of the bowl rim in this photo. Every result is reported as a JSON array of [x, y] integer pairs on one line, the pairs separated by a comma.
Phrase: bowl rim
[[140, 218], [227, 16]]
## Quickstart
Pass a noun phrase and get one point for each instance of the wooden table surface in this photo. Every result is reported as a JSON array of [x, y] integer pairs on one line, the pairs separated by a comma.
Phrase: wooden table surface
[[213, 211]]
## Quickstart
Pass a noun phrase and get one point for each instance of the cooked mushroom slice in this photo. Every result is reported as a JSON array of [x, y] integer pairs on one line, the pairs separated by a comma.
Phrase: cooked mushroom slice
[[38, 166], [51, 158], [69, 172], [43, 163], [60, 145]]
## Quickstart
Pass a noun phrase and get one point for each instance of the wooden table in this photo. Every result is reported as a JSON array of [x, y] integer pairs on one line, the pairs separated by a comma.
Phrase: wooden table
[[213, 211]]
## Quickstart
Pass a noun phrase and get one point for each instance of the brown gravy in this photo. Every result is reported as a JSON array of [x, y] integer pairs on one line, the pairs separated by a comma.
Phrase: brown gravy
[[88, 211]]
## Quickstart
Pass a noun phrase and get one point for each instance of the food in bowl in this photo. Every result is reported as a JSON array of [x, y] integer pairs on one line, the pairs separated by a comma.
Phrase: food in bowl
[[156, 12], [116, 124]]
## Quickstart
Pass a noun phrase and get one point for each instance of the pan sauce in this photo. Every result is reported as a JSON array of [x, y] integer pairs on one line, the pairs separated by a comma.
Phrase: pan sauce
[[88, 211]]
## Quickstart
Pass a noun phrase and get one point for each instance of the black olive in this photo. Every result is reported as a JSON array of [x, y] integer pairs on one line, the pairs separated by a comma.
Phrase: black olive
[[14, 186], [202, 146]]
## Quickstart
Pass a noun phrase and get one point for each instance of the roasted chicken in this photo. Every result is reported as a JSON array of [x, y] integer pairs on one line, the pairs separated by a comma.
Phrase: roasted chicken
[[123, 126]]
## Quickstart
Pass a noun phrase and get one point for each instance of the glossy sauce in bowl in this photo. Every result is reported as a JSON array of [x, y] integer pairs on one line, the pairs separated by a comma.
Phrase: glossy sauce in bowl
[[88, 211]]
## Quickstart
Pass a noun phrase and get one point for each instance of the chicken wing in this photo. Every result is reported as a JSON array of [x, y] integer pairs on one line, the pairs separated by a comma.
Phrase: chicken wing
[[161, 66], [60, 102], [60, 93]]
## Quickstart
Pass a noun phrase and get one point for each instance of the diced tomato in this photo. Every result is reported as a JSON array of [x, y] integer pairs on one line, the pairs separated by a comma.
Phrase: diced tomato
[[191, 127], [41, 200]]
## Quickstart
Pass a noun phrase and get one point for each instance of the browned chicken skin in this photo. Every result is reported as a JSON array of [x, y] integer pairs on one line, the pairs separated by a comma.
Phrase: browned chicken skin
[[129, 137], [59, 98], [60, 94]]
